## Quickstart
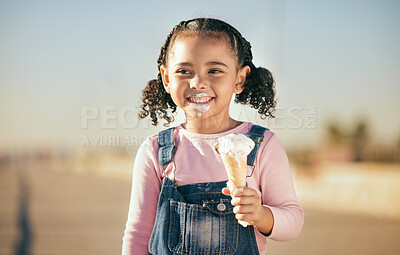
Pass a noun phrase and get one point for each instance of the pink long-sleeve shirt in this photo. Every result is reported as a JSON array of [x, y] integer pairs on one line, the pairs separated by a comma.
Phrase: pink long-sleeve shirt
[[196, 162]]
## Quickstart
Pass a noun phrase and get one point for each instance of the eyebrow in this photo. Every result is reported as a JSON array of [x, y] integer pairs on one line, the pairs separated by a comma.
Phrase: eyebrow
[[208, 63], [216, 63]]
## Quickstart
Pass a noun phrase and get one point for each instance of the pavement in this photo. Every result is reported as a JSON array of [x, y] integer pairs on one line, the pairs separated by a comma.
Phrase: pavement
[[48, 212]]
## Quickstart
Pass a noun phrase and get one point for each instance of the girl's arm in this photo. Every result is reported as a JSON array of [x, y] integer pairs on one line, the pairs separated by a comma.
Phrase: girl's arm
[[146, 185], [276, 213], [277, 191]]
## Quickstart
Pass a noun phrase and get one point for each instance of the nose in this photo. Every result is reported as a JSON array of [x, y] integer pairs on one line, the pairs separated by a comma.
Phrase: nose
[[198, 83]]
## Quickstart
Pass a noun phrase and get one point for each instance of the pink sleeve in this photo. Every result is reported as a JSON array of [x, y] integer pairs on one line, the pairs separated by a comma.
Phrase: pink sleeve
[[278, 191], [146, 185]]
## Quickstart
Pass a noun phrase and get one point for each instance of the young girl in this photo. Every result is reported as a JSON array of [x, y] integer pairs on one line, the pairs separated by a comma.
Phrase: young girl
[[179, 203]]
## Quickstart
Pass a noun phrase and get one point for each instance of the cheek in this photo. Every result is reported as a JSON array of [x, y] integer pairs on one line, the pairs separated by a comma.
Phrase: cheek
[[225, 87], [177, 93], [177, 82], [224, 95]]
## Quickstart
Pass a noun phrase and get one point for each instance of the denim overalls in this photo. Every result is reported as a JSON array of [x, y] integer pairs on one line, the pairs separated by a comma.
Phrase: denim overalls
[[198, 218]]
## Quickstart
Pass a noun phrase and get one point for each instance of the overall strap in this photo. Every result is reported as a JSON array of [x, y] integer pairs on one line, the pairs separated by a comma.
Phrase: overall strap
[[256, 133], [166, 146]]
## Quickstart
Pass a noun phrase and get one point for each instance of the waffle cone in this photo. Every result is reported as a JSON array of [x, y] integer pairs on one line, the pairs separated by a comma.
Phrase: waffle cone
[[236, 168]]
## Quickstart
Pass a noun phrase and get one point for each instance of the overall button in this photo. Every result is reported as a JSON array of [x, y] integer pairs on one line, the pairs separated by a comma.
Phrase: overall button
[[221, 207]]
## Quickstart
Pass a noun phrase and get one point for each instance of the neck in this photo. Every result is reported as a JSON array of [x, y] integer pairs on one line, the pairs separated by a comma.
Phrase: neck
[[210, 125]]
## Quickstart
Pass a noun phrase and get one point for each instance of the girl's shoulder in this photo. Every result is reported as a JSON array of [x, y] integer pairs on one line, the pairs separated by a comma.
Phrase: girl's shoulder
[[153, 139], [260, 134], [271, 149], [267, 139]]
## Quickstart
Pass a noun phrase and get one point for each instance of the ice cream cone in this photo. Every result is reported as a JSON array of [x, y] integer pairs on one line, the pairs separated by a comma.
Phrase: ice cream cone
[[233, 150], [236, 168]]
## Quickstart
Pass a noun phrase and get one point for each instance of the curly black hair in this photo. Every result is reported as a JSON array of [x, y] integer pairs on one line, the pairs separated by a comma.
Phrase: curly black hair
[[259, 91]]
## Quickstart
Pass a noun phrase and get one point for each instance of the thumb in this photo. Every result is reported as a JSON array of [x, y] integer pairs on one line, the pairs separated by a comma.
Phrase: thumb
[[226, 191]]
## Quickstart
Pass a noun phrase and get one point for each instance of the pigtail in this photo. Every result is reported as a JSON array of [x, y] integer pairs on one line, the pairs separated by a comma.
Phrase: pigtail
[[156, 101], [259, 88], [259, 91]]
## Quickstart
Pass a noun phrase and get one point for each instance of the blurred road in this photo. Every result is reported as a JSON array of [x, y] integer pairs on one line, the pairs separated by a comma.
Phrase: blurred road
[[64, 213]]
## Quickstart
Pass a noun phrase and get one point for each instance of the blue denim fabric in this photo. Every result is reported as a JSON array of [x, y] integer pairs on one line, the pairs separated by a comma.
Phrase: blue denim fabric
[[256, 133], [166, 146], [198, 218]]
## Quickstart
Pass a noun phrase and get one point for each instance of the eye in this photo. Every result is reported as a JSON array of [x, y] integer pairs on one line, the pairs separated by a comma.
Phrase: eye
[[215, 71], [182, 71]]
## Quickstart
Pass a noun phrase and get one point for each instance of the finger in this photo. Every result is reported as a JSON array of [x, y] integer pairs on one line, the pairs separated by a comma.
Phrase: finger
[[246, 191], [245, 217], [244, 209], [226, 191], [237, 192], [245, 201]]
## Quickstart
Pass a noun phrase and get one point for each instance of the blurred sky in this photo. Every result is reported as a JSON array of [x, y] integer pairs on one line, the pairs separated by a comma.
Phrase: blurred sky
[[59, 58]]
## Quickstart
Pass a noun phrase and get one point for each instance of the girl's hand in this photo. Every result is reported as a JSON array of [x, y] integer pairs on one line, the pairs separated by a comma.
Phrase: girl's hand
[[248, 208]]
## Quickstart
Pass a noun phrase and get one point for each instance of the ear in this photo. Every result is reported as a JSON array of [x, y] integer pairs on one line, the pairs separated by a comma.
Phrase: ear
[[241, 79], [165, 77]]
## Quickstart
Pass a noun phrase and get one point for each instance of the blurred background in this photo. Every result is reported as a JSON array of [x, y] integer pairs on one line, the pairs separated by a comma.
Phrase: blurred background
[[71, 75]]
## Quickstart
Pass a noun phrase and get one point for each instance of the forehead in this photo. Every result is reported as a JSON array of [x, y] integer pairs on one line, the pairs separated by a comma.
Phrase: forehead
[[198, 46]]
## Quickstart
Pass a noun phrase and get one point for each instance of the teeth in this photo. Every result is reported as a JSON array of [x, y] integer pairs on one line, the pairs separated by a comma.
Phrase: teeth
[[199, 99]]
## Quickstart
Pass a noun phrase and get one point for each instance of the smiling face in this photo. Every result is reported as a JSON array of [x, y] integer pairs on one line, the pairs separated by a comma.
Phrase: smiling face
[[201, 76]]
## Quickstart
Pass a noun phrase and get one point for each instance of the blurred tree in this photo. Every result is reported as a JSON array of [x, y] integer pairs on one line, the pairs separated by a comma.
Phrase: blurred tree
[[335, 135], [359, 139], [355, 138]]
